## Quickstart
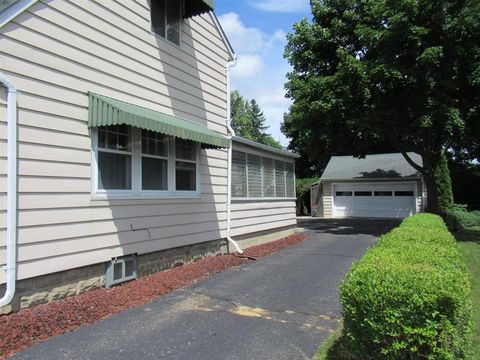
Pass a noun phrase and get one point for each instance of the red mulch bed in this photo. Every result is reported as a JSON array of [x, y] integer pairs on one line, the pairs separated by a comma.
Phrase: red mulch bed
[[30, 326]]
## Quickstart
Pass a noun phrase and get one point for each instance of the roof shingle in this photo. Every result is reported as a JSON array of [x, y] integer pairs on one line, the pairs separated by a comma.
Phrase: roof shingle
[[371, 167]]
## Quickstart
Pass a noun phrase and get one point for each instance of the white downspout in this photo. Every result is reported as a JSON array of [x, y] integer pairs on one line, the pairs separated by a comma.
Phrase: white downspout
[[229, 166], [11, 265]]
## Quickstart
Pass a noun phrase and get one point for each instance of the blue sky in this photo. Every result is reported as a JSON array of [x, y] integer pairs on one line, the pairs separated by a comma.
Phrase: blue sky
[[257, 31]]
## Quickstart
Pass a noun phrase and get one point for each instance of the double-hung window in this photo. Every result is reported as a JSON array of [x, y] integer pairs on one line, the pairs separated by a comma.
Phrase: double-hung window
[[135, 162], [154, 161], [185, 165], [166, 16]]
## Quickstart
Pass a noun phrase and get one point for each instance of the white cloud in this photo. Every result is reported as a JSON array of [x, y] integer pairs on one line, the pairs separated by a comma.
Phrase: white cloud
[[260, 70], [281, 5], [247, 66], [248, 40]]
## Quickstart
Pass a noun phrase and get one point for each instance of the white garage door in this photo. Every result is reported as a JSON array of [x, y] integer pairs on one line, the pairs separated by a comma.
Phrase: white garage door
[[374, 200]]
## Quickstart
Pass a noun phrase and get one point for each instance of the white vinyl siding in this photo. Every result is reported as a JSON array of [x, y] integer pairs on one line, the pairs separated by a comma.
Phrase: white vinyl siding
[[54, 53], [255, 176]]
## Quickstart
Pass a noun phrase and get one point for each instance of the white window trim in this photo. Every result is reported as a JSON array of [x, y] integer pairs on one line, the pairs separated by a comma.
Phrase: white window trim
[[180, 34], [137, 192]]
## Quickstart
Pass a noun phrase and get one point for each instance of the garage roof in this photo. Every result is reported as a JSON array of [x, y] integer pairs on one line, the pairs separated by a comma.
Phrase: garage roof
[[378, 166]]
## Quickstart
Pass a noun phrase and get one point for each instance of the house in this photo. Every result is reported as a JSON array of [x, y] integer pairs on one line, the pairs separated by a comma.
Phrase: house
[[376, 186], [115, 147]]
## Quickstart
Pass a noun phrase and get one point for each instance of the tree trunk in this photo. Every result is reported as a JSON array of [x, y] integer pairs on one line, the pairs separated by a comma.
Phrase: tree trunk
[[428, 173], [433, 205]]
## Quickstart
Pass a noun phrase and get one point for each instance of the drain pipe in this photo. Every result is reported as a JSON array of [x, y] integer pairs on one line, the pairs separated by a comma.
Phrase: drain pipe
[[11, 266], [229, 166]]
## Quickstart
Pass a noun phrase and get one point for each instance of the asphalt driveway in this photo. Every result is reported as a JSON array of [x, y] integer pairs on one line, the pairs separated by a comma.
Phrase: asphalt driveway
[[279, 307]]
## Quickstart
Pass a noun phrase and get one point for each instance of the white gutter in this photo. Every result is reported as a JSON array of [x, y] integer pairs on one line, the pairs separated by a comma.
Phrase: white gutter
[[11, 266], [229, 166], [231, 132]]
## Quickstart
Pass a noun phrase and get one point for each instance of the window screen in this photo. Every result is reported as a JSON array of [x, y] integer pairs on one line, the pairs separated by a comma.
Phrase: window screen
[[279, 178], [254, 173], [257, 176], [239, 174], [268, 177], [290, 179]]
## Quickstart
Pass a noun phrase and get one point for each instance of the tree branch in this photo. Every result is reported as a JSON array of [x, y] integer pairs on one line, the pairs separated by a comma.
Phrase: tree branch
[[412, 163]]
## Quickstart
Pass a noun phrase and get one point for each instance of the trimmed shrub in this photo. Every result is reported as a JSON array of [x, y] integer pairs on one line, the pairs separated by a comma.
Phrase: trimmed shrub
[[459, 218], [444, 185], [409, 297]]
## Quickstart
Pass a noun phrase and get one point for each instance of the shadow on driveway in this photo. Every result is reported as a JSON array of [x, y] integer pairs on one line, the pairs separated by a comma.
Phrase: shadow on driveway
[[352, 226]]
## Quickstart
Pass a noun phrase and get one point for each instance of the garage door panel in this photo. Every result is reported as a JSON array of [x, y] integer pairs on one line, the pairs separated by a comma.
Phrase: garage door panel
[[374, 200], [404, 187]]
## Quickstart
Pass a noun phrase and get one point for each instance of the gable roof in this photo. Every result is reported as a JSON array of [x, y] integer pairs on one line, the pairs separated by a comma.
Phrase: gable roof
[[378, 166]]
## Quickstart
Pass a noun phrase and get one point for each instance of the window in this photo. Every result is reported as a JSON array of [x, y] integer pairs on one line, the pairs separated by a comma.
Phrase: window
[[363, 193], [279, 179], [343, 193], [136, 162], [290, 179], [154, 161], [115, 158], [185, 165], [239, 174], [255, 176], [268, 177], [382, 193], [166, 18]]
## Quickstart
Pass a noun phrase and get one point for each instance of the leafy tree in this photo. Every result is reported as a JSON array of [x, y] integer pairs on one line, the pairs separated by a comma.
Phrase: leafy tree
[[404, 74], [239, 113], [465, 182], [248, 120]]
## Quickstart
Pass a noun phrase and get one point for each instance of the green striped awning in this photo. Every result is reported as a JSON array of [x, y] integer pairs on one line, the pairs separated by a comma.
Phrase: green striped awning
[[105, 111], [197, 7]]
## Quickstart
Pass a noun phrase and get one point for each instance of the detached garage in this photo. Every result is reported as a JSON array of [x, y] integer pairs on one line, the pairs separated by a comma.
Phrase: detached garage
[[377, 186]]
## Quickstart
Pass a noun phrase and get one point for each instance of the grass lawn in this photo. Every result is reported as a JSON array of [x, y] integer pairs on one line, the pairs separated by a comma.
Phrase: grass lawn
[[470, 244], [334, 347]]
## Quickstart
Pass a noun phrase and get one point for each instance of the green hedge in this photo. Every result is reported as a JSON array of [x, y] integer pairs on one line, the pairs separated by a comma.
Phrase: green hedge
[[459, 218], [409, 297]]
